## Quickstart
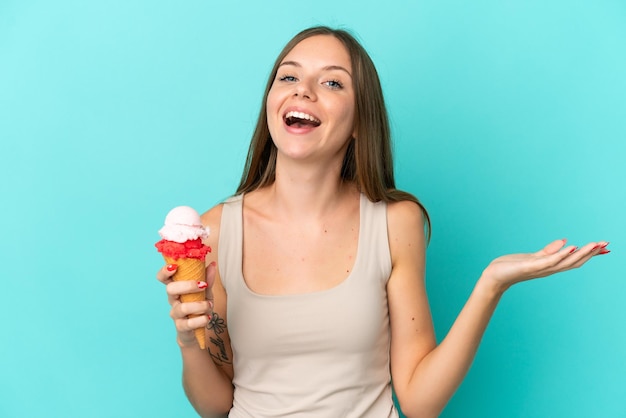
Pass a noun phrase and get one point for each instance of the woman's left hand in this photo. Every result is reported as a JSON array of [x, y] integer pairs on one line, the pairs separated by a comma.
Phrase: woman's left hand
[[505, 271]]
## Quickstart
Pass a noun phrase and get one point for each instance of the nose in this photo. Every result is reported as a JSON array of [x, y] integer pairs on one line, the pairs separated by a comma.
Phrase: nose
[[303, 90]]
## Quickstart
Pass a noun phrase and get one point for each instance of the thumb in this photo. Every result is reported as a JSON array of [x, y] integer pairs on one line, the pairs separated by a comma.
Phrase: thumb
[[211, 270], [553, 247]]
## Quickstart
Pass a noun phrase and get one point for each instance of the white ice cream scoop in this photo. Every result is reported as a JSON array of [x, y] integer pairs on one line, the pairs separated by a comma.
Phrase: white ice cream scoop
[[183, 224]]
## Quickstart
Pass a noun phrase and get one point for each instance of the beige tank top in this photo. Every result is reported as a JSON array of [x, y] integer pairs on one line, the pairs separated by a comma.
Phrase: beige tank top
[[320, 354]]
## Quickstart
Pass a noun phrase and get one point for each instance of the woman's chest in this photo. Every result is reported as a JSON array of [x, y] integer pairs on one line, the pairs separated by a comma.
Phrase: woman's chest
[[288, 258]]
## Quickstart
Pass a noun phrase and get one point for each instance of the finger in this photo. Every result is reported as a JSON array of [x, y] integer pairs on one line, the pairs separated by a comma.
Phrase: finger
[[576, 257], [581, 261], [593, 248], [211, 271], [190, 324], [601, 249], [549, 263], [184, 287], [164, 275], [552, 248], [184, 310], [172, 299]]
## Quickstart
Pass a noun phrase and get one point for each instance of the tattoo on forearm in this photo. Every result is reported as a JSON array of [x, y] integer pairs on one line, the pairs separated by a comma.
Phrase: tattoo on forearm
[[218, 326], [216, 323], [221, 357]]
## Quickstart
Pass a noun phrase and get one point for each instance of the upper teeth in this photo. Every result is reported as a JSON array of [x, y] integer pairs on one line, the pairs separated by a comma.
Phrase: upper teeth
[[301, 115]]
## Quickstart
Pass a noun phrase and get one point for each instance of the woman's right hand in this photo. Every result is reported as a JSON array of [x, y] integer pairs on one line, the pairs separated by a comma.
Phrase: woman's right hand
[[181, 311]]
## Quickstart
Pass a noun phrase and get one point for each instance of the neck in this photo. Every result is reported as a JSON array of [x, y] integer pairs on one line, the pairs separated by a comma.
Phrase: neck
[[310, 192]]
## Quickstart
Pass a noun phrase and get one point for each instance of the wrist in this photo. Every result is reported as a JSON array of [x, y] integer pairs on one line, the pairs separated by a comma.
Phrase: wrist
[[490, 287], [186, 343]]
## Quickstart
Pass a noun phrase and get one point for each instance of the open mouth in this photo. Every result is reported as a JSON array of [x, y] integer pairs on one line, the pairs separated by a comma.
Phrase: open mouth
[[301, 119]]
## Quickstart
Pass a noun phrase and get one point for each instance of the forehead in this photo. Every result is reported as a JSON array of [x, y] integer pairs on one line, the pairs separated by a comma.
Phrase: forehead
[[320, 50]]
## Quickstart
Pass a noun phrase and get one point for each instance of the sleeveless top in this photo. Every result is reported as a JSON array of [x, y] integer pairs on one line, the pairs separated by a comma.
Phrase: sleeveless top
[[319, 354]]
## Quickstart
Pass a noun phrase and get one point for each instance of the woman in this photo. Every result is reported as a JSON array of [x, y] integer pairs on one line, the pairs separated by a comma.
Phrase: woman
[[316, 298]]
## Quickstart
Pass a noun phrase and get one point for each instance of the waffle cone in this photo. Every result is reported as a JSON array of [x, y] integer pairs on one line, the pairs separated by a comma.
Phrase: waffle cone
[[191, 269]]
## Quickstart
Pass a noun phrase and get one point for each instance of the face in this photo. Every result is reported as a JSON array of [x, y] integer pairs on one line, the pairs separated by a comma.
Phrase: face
[[310, 106]]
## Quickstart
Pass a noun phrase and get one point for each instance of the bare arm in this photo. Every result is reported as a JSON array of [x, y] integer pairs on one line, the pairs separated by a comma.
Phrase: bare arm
[[207, 374], [425, 375]]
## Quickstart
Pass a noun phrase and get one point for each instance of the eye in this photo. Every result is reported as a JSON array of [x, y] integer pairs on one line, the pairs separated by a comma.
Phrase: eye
[[334, 84], [288, 78]]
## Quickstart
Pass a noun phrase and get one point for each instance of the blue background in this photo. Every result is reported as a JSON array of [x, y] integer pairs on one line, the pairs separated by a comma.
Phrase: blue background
[[509, 119]]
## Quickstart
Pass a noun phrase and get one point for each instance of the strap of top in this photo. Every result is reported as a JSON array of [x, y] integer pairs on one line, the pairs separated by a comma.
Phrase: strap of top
[[230, 244]]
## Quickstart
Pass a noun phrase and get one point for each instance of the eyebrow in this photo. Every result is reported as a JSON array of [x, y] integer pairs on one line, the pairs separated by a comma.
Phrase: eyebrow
[[327, 68]]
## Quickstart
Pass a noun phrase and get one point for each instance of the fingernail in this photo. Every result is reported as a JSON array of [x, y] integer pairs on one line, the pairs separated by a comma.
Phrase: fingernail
[[172, 267], [212, 263], [210, 250], [202, 285], [209, 316], [211, 304], [604, 252], [595, 248], [573, 249], [605, 245]]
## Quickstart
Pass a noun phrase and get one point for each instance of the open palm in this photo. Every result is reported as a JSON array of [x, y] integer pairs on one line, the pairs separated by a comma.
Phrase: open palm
[[553, 258]]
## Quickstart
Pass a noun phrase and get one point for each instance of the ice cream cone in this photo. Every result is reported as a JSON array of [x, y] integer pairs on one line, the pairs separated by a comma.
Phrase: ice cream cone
[[182, 245], [194, 270]]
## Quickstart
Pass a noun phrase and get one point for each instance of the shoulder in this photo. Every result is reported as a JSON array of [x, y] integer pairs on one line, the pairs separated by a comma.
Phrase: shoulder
[[405, 228], [212, 218], [405, 211], [213, 215]]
